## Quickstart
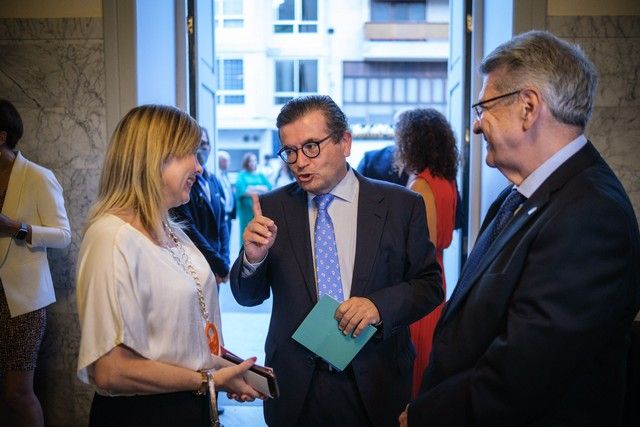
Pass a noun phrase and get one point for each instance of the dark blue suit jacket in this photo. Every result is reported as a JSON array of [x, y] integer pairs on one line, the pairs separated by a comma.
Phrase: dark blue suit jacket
[[394, 267], [378, 164], [206, 226], [540, 336]]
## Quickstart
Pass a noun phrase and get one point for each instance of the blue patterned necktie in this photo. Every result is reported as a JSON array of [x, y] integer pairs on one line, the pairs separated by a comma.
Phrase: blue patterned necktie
[[326, 252], [505, 213]]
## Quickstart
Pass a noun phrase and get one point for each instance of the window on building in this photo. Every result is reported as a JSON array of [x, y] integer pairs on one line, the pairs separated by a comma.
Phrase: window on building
[[230, 81], [295, 77], [296, 16], [229, 14], [398, 11], [374, 91]]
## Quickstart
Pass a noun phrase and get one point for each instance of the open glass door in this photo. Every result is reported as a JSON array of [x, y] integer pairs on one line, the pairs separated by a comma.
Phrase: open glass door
[[202, 77], [458, 114]]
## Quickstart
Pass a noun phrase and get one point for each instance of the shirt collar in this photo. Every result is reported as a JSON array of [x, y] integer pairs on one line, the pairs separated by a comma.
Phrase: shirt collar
[[538, 176], [346, 189]]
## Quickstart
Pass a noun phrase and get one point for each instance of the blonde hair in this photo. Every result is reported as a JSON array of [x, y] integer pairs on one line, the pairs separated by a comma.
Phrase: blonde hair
[[145, 138]]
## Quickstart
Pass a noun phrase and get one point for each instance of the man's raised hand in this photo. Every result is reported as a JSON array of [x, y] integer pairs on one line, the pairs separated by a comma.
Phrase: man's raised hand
[[259, 235]]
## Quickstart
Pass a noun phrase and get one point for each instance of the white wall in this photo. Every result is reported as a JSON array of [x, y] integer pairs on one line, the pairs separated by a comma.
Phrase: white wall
[[156, 52]]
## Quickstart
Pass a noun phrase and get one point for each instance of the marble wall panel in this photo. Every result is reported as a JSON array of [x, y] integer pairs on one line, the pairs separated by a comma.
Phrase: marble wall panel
[[49, 29], [617, 63], [53, 71], [600, 27], [613, 44], [616, 133]]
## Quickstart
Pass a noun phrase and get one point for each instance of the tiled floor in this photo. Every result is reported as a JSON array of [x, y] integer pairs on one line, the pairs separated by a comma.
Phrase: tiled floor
[[244, 330], [242, 416]]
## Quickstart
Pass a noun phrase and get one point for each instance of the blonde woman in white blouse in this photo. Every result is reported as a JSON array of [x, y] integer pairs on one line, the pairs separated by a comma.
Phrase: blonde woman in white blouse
[[33, 219], [147, 299]]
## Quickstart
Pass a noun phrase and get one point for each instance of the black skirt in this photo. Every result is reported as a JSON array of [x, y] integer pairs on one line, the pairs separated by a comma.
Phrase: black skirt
[[167, 409]]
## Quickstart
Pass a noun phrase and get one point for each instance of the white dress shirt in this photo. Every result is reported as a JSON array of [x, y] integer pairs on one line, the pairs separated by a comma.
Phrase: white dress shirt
[[344, 215], [538, 176]]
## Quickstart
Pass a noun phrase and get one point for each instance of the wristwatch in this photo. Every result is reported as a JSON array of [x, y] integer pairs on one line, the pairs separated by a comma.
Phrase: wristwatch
[[22, 232]]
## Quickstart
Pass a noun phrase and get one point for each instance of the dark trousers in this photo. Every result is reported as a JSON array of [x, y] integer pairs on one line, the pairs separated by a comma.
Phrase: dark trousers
[[333, 400], [167, 409]]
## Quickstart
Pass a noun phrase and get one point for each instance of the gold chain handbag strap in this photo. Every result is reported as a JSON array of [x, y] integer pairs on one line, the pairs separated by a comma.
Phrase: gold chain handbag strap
[[184, 261], [211, 332]]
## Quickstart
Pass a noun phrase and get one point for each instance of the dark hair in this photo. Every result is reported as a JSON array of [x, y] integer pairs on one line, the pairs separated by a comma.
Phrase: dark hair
[[205, 134], [246, 158], [425, 141], [10, 122], [297, 107]]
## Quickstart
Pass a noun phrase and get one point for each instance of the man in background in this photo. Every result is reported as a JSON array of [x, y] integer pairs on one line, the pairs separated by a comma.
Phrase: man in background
[[227, 188], [379, 164], [204, 216]]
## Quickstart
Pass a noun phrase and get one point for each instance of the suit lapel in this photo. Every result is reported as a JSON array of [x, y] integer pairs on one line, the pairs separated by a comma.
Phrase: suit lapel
[[201, 197], [372, 213], [296, 216], [528, 210], [585, 157]]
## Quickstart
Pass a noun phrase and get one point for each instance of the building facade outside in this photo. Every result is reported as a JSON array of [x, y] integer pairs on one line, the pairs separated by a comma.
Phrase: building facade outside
[[373, 57]]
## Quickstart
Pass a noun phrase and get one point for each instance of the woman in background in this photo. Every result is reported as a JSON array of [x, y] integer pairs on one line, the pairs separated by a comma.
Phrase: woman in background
[[249, 182], [33, 219], [427, 150], [284, 176], [147, 299]]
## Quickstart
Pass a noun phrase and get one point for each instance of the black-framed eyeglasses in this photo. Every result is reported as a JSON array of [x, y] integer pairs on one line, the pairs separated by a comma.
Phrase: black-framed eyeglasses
[[478, 106], [311, 149]]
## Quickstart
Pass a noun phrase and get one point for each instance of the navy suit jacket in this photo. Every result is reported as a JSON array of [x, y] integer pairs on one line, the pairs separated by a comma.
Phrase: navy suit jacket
[[394, 267], [378, 164], [540, 336], [206, 225]]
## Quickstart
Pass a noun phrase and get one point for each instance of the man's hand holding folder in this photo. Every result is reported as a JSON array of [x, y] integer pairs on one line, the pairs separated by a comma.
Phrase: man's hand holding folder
[[321, 333]]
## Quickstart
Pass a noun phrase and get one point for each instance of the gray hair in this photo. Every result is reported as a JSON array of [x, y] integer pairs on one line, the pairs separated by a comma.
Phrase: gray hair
[[561, 71]]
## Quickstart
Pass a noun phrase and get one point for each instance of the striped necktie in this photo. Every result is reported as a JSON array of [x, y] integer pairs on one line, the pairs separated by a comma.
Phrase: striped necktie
[[509, 206]]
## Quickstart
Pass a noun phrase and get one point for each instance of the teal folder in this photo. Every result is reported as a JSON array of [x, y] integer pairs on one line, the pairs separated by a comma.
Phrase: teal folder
[[319, 333]]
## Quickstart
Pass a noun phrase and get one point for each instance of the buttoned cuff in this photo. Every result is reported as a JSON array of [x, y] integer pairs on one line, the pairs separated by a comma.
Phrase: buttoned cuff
[[248, 268]]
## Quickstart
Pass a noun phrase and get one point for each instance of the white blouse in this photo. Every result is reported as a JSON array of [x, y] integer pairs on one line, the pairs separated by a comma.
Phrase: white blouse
[[130, 291]]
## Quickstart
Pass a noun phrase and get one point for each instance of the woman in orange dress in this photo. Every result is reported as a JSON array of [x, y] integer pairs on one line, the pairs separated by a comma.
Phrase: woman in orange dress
[[427, 150]]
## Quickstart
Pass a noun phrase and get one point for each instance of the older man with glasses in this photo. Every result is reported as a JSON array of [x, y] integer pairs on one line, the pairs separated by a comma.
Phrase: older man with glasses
[[363, 242], [536, 331]]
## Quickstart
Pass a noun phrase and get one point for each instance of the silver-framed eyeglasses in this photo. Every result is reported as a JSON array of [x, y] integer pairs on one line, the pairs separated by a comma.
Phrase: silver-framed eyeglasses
[[478, 107], [311, 149]]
